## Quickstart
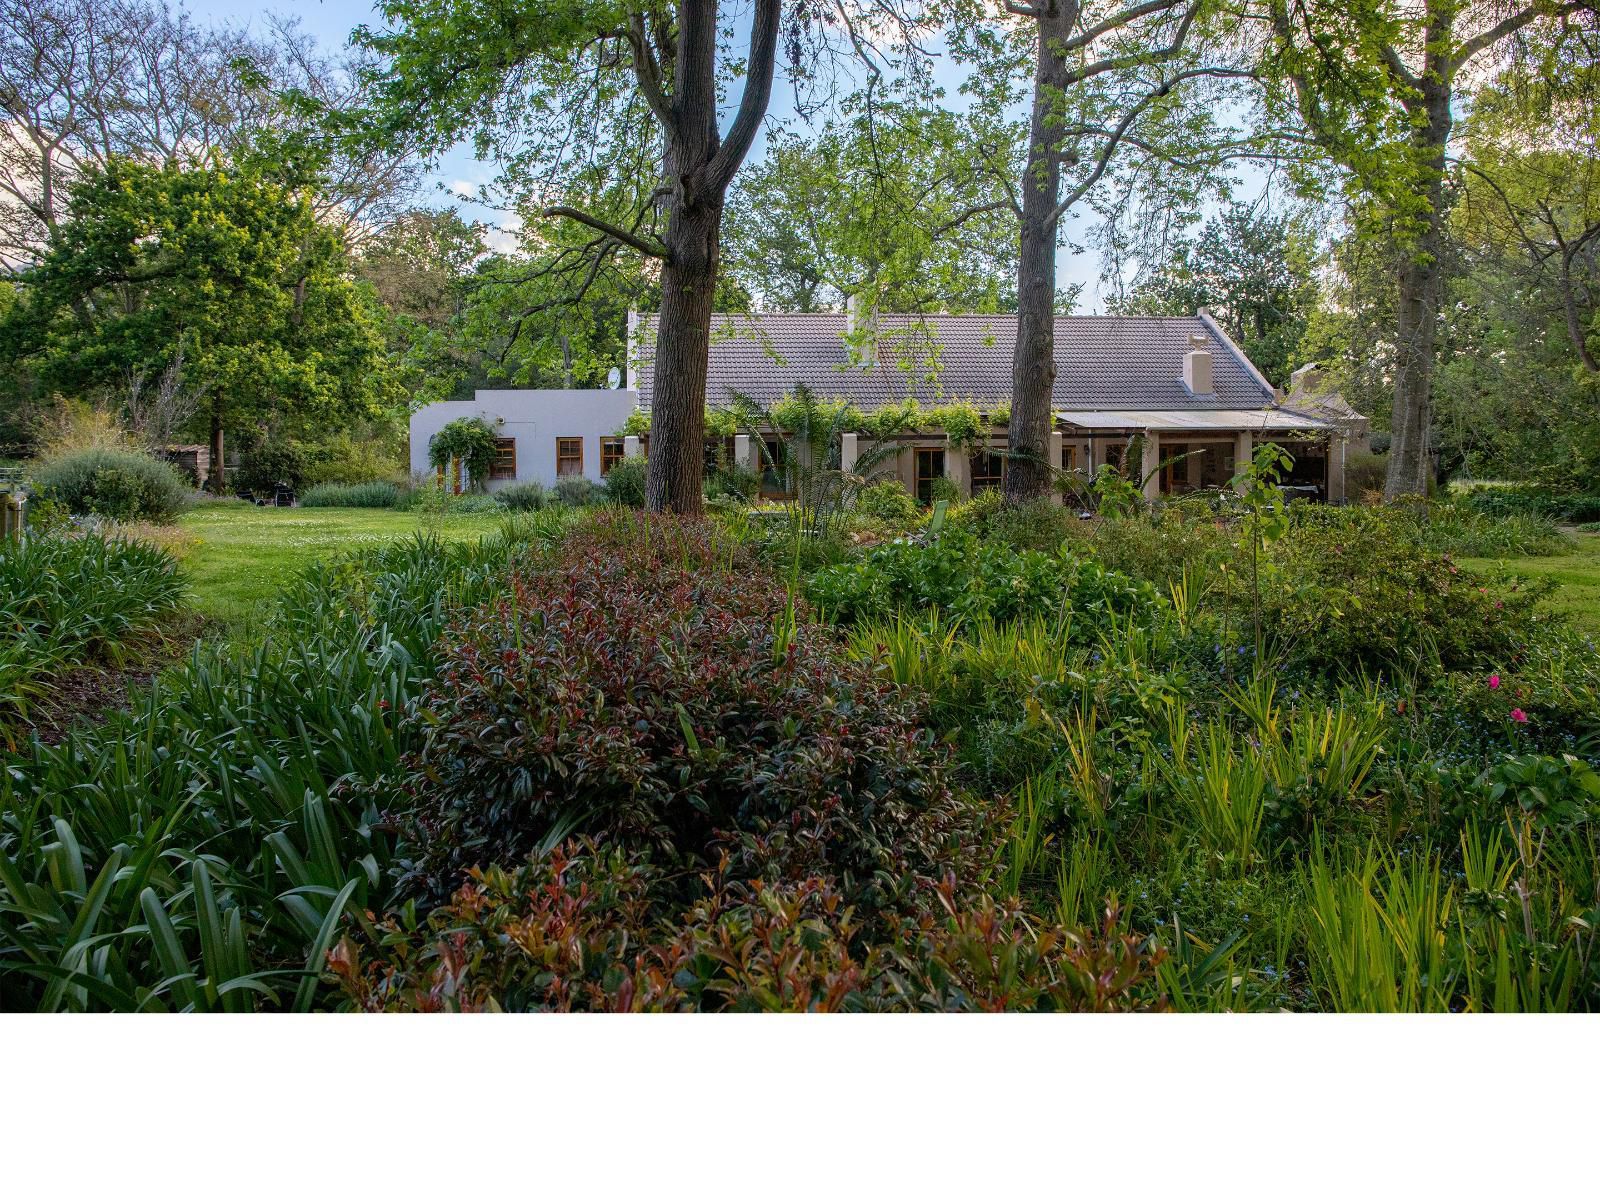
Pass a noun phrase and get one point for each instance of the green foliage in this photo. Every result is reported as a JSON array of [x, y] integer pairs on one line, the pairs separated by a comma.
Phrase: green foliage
[[652, 702], [228, 276], [350, 495], [1254, 270], [522, 497], [1358, 589], [198, 852], [888, 501], [625, 482], [121, 485], [347, 458], [959, 575], [270, 463], [469, 441], [576, 492], [876, 210], [65, 601]]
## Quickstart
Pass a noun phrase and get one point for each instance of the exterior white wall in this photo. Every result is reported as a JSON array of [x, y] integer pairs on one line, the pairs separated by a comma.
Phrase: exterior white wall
[[535, 417]]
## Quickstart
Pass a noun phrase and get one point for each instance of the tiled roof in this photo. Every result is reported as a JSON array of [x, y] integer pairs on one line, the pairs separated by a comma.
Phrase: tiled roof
[[1101, 362]]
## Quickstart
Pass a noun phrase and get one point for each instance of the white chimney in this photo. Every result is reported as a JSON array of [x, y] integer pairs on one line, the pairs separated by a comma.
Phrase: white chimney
[[631, 362], [1305, 379], [1197, 366]]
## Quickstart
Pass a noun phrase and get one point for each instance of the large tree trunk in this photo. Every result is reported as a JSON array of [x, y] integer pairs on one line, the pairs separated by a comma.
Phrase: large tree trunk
[[682, 352], [1417, 317], [698, 169], [1033, 363]]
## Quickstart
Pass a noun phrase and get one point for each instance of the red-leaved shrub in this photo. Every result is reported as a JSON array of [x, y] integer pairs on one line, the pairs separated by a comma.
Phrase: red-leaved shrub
[[573, 931], [652, 686]]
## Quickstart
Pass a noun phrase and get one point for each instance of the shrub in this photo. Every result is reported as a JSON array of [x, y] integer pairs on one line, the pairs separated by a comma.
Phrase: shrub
[[625, 482], [1160, 547], [577, 931], [521, 497], [888, 501], [941, 488], [474, 504], [1527, 500], [732, 479], [1356, 590], [1365, 475], [345, 458], [351, 495], [965, 578], [1039, 525], [1469, 533], [265, 465], [654, 686], [118, 484], [576, 492], [468, 440]]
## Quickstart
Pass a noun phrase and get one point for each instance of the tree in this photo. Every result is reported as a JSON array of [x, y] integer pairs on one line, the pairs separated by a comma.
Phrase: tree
[[896, 208], [84, 81], [1375, 82], [226, 274], [1252, 268], [1108, 79], [618, 101]]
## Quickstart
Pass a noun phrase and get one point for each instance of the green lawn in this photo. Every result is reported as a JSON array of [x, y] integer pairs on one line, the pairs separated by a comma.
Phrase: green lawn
[[246, 555], [1578, 574]]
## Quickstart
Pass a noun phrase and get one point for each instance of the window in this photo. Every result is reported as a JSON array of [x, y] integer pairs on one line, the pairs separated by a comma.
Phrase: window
[[569, 456], [930, 466], [1069, 457], [988, 470], [719, 453], [612, 451], [505, 459], [774, 467]]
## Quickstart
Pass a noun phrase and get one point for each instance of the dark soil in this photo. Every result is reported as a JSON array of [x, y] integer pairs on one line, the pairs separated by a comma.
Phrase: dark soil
[[91, 690]]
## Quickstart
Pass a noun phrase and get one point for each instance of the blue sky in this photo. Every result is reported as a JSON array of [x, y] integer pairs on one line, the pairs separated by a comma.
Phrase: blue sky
[[330, 22]]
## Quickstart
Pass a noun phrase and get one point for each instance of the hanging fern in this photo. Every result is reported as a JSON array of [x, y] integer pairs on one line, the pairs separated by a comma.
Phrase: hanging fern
[[468, 440]]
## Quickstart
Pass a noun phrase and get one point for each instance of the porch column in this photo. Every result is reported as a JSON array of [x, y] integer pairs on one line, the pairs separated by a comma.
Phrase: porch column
[[631, 446], [1244, 446], [849, 451], [1055, 466], [1336, 452], [1149, 465], [958, 467], [746, 453]]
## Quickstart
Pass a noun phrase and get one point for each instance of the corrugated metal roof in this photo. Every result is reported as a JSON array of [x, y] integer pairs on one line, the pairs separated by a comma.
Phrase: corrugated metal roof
[[1102, 363], [1192, 420]]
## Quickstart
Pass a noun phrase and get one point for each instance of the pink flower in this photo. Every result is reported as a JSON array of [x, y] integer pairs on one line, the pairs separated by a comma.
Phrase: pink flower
[[1520, 717], [1494, 682]]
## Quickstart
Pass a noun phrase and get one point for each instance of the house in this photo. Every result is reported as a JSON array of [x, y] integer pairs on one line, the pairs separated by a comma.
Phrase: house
[[1175, 390], [543, 434]]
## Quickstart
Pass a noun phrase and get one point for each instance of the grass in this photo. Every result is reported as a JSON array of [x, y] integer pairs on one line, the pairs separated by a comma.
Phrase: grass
[[1578, 574], [245, 556]]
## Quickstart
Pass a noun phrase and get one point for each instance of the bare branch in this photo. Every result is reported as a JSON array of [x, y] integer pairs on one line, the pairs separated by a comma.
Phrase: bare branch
[[651, 249]]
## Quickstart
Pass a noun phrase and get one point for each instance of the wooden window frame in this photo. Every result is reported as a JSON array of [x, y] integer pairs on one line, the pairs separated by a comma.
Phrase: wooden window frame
[[562, 456], [612, 451], [917, 477], [497, 468], [989, 482]]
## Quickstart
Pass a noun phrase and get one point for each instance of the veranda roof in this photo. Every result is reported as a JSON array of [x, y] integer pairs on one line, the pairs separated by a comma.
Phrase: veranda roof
[[1191, 420]]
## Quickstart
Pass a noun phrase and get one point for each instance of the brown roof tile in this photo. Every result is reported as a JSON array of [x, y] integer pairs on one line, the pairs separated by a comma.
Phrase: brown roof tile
[[1101, 362]]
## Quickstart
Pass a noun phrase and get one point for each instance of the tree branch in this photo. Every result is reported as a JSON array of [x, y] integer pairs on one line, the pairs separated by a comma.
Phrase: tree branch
[[759, 69], [1116, 21], [651, 249], [1509, 26]]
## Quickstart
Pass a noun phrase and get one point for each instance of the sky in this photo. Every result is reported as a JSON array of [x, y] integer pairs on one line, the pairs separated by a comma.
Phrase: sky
[[456, 176]]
